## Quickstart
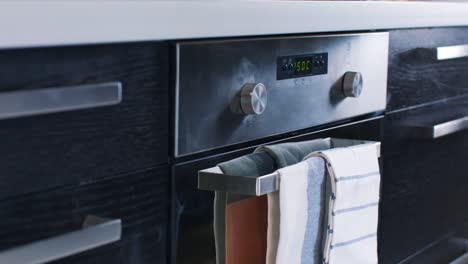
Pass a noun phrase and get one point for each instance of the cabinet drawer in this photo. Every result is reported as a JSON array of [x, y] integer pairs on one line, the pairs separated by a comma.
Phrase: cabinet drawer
[[62, 138], [139, 200], [416, 75], [424, 179]]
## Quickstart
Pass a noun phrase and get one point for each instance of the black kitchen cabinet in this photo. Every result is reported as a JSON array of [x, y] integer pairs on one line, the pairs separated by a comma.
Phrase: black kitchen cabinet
[[73, 147], [424, 185], [416, 76], [424, 181], [140, 200]]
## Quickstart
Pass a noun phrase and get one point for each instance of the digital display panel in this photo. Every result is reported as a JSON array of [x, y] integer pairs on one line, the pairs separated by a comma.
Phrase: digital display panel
[[302, 65]]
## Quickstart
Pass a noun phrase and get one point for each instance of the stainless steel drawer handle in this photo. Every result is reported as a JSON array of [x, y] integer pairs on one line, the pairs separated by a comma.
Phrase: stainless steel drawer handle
[[96, 232], [463, 259], [462, 244], [59, 99], [438, 130], [249, 185], [452, 52]]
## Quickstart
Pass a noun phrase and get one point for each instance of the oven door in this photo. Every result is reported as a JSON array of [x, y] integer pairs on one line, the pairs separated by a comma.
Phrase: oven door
[[425, 184], [193, 209]]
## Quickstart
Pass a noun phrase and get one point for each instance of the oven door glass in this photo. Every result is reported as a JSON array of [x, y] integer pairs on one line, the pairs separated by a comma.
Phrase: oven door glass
[[193, 209]]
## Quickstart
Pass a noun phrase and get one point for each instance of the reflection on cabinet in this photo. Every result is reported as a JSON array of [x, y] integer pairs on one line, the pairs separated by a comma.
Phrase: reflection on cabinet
[[416, 76]]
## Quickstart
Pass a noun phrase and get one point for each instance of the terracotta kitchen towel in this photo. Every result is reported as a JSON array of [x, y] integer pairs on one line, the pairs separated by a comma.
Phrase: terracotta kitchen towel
[[241, 221], [246, 231]]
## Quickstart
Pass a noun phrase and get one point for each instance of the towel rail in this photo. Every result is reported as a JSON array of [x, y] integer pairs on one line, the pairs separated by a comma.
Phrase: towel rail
[[260, 185]]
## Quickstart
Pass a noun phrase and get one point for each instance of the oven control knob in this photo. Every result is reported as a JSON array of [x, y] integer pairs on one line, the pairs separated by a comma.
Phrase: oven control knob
[[253, 98], [352, 84]]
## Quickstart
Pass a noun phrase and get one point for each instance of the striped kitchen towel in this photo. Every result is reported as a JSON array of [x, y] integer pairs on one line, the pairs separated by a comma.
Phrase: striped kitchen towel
[[296, 214], [353, 188]]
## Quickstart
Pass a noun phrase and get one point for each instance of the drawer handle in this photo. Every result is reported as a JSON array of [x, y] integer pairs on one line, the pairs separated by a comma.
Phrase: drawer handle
[[438, 130], [452, 52], [96, 232], [249, 185], [53, 100], [463, 259]]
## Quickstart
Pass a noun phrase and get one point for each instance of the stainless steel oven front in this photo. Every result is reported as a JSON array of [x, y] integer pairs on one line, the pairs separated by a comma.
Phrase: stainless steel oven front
[[235, 94]]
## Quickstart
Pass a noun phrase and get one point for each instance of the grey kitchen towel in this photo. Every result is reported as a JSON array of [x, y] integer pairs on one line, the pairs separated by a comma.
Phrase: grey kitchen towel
[[287, 154], [219, 212], [255, 164], [313, 211], [316, 214]]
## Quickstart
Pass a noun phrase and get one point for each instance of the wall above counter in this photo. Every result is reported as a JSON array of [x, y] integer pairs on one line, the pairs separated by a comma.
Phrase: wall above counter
[[54, 23]]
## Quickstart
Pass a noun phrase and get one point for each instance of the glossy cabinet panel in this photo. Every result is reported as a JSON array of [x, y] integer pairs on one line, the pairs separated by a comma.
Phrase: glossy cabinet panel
[[49, 150], [416, 75], [424, 186], [140, 200]]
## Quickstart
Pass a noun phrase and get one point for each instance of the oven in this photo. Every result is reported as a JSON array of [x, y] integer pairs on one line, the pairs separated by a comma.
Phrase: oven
[[234, 95]]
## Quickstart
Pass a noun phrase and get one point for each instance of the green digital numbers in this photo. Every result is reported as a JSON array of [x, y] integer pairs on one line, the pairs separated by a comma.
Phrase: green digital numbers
[[302, 65]]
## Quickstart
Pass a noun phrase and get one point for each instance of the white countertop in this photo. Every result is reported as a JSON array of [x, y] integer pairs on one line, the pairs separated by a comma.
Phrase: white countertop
[[51, 23]]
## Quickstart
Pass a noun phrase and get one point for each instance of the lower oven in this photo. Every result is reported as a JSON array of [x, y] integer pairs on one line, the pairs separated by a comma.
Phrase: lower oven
[[234, 95]]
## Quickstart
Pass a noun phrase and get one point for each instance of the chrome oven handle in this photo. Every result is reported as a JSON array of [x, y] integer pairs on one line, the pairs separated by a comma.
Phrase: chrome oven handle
[[209, 180], [21, 103], [96, 232]]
